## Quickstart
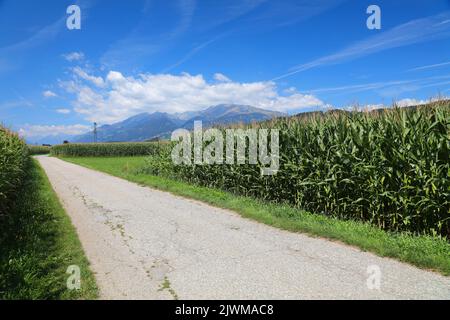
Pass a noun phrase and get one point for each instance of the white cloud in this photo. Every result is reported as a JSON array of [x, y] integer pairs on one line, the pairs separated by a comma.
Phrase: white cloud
[[98, 81], [49, 94], [73, 56], [407, 102], [40, 131], [123, 96], [367, 107], [221, 77], [63, 111]]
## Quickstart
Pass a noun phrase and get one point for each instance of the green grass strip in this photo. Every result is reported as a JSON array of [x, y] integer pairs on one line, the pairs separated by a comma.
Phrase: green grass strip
[[38, 243], [426, 252]]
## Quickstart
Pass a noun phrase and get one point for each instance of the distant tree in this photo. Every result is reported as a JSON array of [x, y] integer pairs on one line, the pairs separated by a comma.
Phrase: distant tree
[[65, 142]]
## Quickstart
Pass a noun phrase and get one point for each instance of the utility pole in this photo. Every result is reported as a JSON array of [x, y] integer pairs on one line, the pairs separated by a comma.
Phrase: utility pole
[[95, 132]]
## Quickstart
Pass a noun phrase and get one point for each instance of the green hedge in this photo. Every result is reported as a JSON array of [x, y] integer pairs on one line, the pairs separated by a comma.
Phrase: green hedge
[[390, 168], [13, 161], [106, 149]]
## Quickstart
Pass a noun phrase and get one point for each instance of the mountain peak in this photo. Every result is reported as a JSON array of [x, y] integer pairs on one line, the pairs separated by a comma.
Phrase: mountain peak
[[145, 126]]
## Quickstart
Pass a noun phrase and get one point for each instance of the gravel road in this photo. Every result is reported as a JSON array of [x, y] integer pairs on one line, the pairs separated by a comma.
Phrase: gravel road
[[147, 244]]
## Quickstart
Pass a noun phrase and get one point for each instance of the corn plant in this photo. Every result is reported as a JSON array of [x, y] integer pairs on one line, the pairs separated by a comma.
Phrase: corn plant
[[106, 149], [13, 161], [38, 150], [389, 167]]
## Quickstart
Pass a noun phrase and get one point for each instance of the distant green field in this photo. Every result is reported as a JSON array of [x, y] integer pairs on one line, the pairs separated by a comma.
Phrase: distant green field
[[423, 251], [37, 150], [106, 149]]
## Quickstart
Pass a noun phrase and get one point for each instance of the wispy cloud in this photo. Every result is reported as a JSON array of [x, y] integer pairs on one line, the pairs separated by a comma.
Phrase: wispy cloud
[[73, 56], [431, 66], [193, 52], [98, 81], [21, 102], [63, 111], [186, 9], [46, 33], [9, 55], [189, 55], [221, 13], [415, 31], [144, 41], [387, 88], [49, 94], [221, 77], [284, 13]]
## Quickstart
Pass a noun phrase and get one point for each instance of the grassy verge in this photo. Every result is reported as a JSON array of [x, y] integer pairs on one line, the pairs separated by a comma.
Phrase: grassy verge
[[422, 251], [38, 243]]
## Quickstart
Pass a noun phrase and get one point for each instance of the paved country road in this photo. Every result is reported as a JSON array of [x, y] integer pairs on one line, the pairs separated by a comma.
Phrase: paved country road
[[147, 244]]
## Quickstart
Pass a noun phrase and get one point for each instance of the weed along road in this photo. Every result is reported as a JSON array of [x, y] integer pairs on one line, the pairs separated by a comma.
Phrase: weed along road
[[147, 244]]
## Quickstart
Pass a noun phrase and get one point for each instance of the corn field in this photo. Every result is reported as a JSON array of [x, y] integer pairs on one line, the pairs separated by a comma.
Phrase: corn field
[[390, 168], [37, 150], [13, 161], [106, 149]]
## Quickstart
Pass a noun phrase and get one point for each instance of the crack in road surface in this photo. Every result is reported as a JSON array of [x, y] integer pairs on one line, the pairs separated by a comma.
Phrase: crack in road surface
[[147, 244]]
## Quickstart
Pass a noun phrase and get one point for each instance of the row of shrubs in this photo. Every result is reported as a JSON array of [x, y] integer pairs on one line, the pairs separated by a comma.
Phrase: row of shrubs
[[106, 149], [390, 168], [13, 162]]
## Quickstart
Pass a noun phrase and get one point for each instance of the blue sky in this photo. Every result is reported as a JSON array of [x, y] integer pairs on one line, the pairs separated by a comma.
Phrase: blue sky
[[174, 56]]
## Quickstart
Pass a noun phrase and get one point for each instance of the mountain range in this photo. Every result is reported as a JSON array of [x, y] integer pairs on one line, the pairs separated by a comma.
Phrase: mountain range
[[150, 126]]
